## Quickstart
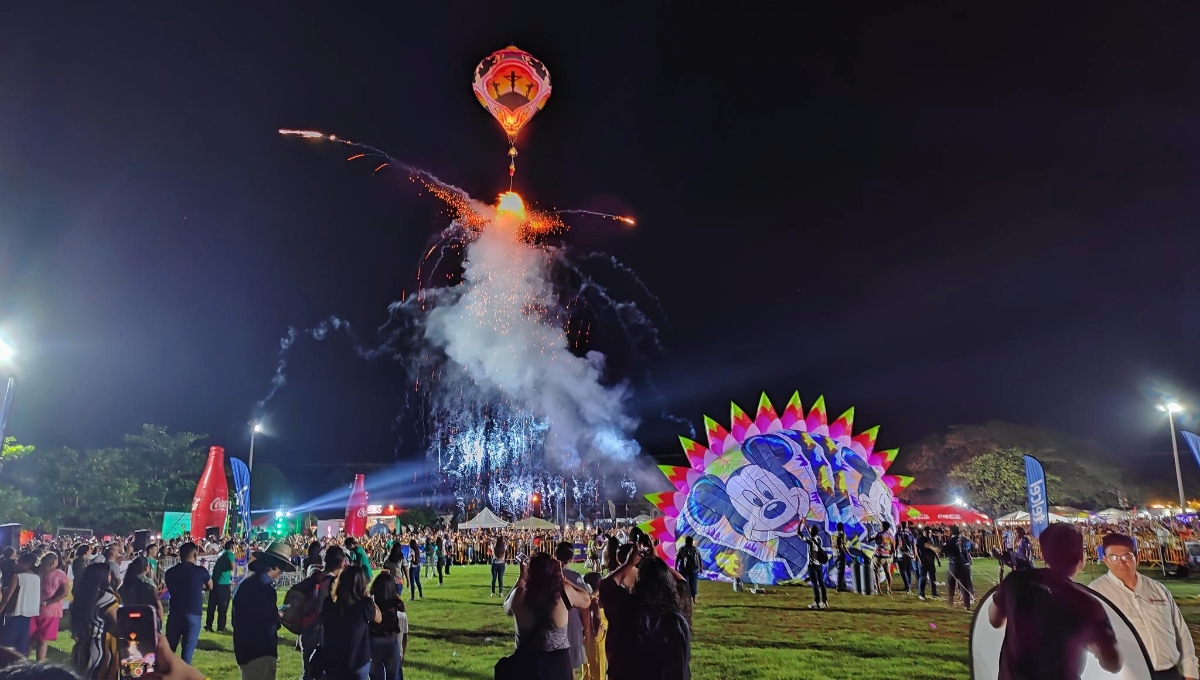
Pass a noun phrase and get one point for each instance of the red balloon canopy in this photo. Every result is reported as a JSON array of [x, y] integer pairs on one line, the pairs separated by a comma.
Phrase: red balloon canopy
[[942, 514]]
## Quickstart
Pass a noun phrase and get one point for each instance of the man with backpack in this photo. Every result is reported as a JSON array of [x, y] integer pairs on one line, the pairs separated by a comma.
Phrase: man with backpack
[[957, 551], [817, 559], [688, 563], [841, 552], [905, 550], [927, 563], [302, 608]]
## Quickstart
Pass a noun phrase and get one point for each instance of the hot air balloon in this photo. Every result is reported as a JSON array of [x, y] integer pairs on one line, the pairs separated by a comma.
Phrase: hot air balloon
[[513, 86]]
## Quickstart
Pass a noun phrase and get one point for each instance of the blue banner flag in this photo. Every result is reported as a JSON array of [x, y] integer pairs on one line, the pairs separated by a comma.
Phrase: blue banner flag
[[1035, 488], [241, 483], [1193, 442]]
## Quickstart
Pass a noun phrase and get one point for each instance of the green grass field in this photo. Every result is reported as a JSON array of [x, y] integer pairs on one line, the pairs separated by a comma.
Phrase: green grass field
[[458, 632]]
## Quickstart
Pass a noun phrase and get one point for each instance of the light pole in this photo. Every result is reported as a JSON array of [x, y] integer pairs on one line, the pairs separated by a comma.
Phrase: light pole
[[256, 427], [1171, 409], [6, 356]]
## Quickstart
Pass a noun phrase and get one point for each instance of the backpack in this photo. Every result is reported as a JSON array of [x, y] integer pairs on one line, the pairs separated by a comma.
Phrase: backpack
[[687, 559], [818, 551], [302, 604], [952, 549]]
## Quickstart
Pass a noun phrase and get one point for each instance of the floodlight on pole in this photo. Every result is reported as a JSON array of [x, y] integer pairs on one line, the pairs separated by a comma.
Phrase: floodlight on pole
[[1171, 408], [255, 428], [7, 352]]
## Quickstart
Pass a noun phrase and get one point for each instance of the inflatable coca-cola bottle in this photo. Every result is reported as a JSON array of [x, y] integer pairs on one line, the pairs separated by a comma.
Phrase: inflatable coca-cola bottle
[[356, 508], [210, 505]]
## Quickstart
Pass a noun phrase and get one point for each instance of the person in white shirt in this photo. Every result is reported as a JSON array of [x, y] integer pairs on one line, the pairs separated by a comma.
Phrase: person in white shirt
[[1150, 608]]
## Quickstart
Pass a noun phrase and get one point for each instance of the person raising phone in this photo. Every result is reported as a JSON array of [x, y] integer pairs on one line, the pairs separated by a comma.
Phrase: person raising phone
[[540, 603]]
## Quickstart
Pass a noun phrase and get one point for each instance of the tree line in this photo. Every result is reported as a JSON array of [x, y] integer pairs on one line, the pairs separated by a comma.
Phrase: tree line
[[984, 463], [113, 489]]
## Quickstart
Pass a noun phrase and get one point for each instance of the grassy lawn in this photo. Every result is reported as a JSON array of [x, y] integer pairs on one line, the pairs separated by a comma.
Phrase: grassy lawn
[[458, 632]]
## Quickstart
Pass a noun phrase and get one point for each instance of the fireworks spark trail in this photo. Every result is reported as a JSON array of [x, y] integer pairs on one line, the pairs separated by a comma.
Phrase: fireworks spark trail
[[413, 170], [619, 218], [280, 378], [679, 420], [622, 267], [629, 316], [306, 134]]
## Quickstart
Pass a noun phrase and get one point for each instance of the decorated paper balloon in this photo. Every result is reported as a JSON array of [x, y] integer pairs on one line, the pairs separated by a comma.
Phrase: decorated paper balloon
[[513, 86], [748, 498]]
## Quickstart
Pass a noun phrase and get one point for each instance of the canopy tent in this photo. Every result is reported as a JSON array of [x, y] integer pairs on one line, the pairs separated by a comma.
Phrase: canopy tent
[[1022, 517], [486, 519], [1112, 514], [1069, 514], [1017, 517], [534, 523], [943, 514]]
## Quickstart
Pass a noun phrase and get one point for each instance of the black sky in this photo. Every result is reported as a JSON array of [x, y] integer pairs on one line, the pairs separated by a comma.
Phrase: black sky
[[938, 215]]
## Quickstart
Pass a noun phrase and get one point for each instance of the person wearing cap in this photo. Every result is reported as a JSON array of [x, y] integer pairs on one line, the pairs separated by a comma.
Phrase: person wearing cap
[[256, 613], [1151, 609]]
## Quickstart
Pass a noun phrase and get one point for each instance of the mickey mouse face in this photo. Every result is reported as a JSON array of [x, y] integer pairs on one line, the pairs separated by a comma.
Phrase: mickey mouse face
[[769, 506], [877, 502]]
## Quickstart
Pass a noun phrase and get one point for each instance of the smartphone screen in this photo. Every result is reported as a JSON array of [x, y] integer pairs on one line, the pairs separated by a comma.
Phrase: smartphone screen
[[136, 630], [521, 557]]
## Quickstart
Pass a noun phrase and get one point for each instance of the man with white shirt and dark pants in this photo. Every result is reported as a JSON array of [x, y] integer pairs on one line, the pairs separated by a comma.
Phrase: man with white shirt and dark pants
[[1150, 608]]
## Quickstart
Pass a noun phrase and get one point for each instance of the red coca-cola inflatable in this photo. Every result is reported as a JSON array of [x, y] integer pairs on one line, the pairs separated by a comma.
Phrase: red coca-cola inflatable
[[210, 505], [356, 509]]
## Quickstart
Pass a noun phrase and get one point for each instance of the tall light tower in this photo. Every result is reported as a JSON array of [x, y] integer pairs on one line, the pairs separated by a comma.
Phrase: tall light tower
[[255, 428], [1171, 409], [7, 352]]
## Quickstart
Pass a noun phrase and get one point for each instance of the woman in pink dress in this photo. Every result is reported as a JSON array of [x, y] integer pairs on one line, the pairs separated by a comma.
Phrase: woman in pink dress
[[43, 628]]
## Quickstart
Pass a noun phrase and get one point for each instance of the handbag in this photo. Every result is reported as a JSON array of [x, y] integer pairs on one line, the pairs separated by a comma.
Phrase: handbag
[[511, 667]]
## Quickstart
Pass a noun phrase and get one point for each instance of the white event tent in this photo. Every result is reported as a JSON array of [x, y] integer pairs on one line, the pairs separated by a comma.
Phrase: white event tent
[[486, 519]]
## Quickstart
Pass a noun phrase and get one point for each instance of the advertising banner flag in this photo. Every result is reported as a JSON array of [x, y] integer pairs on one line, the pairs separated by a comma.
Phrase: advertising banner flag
[[1035, 487]]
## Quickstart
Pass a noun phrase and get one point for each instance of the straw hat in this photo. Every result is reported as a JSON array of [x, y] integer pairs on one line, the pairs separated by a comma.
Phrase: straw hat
[[278, 554]]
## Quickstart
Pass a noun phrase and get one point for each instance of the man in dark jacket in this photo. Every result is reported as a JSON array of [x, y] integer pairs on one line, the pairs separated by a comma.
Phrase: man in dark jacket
[[957, 551], [256, 614]]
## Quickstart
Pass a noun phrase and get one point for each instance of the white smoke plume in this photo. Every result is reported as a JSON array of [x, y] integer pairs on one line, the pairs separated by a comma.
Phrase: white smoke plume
[[500, 326]]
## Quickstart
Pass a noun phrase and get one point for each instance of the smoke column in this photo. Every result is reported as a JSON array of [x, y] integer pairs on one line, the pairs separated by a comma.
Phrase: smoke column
[[513, 407]]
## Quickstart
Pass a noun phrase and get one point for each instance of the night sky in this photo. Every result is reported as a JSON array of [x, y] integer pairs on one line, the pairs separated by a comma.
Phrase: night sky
[[938, 216]]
